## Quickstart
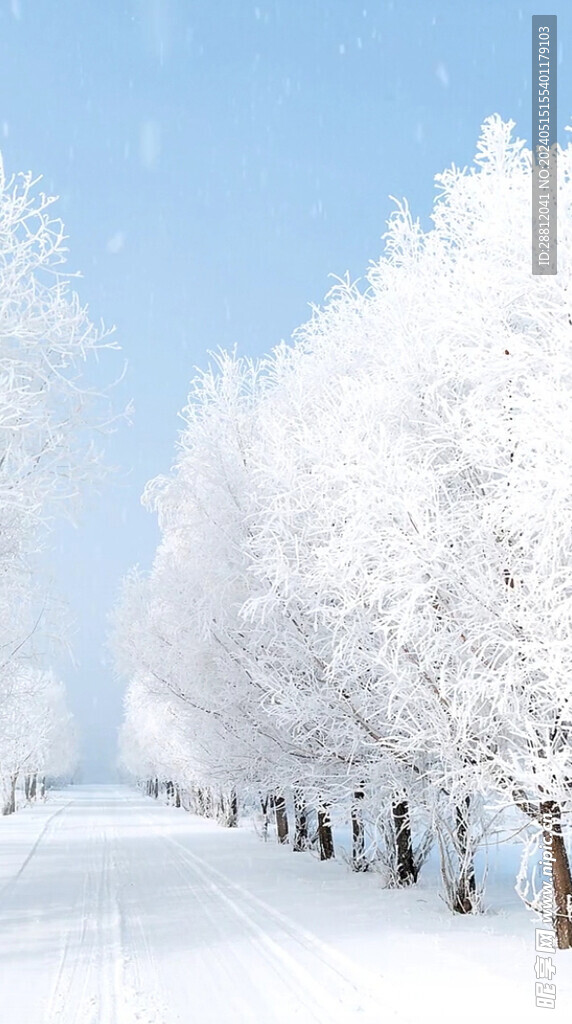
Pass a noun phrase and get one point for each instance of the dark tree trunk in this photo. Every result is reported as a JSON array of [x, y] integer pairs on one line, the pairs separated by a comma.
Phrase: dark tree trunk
[[10, 804], [33, 786], [359, 862], [406, 869], [265, 803], [300, 822], [233, 810], [177, 797], [325, 837], [156, 789], [27, 786], [467, 886], [551, 818], [13, 783], [281, 819]]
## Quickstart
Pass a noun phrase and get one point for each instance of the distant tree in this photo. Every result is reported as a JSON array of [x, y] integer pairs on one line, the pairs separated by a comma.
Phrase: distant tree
[[49, 418], [37, 734]]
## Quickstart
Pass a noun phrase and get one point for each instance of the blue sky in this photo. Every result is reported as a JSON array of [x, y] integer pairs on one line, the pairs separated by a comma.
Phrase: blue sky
[[215, 162]]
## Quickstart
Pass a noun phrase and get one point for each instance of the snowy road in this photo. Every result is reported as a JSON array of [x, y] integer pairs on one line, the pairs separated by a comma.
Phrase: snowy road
[[115, 910]]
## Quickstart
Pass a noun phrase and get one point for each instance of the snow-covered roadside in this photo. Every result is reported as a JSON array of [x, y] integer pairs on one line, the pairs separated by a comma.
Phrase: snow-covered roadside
[[117, 910], [21, 833], [435, 964]]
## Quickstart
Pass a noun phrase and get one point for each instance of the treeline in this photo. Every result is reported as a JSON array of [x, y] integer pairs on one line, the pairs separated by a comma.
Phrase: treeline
[[361, 602], [47, 422], [37, 736]]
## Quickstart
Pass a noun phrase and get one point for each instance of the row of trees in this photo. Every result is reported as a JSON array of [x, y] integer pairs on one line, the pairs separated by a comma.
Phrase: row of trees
[[362, 597], [37, 735], [46, 455]]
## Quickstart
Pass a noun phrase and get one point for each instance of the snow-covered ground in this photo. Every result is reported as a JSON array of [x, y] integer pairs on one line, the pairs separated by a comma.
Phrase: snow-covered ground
[[118, 910]]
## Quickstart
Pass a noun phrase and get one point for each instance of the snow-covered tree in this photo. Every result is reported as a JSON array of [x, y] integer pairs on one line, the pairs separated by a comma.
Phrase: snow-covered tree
[[364, 580], [37, 734], [177, 631], [443, 580], [49, 417]]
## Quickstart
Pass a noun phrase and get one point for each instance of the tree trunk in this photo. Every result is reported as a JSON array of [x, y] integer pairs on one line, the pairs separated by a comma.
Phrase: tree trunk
[[13, 783], [325, 837], [204, 802], [233, 810], [43, 786], [406, 869], [265, 803], [156, 789], [27, 786], [467, 886], [33, 786], [359, 862], [210, 803], [281, 819], [10, 804], [300, 822], [555, 854], [177, 797]]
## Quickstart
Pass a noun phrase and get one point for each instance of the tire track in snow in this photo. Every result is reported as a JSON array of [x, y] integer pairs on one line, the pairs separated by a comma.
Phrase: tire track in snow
[[135, 928], [102, 977], [88, 986], [93, 982], [329, 984], [140, 973], [138, 964], [67, 1001], [62, 984], [227, 968], [12, 881]]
